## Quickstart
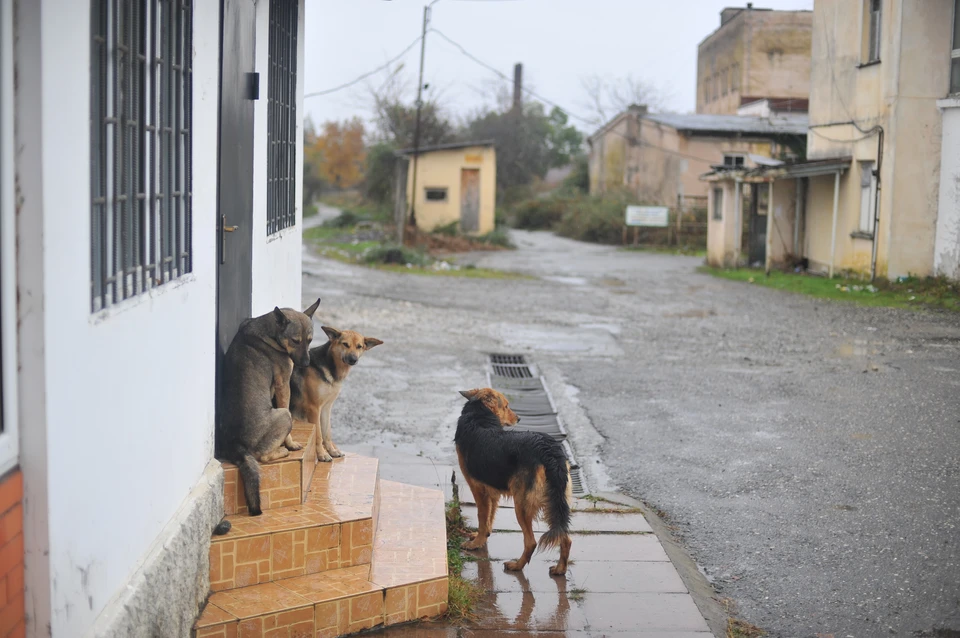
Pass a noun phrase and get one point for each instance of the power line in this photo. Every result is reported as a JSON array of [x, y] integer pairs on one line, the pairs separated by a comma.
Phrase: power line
[[367, 74], [568, 112]]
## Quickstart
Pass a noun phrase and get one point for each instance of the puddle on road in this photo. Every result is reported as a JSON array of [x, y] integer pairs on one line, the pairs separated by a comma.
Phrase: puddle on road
[[612, 282], [571, 340], [570, 281], [695, 313], [856, 348]]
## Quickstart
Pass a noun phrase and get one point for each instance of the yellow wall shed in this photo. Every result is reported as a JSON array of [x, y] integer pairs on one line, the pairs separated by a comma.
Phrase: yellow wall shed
[[454, 183]]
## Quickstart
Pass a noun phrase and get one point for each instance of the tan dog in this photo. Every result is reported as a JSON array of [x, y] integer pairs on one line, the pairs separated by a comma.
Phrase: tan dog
[[314, 389], [531, 467]]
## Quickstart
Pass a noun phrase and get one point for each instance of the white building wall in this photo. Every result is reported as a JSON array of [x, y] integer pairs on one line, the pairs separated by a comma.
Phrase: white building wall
[[946, 252], [125, 428], [276, 258]]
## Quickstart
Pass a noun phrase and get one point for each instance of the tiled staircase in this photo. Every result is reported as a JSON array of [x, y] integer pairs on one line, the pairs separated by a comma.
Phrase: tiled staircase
[[336, 551]]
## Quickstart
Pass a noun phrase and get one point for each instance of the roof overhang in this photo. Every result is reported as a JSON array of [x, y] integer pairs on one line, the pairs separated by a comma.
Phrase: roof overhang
[[762, 174]]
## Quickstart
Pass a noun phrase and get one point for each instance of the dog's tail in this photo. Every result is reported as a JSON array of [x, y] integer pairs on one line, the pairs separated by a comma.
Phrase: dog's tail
[[250, 473], [557, 510]]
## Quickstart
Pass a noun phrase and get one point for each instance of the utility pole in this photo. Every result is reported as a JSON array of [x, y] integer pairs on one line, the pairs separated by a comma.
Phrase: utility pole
[[416, 129], [518, 88]]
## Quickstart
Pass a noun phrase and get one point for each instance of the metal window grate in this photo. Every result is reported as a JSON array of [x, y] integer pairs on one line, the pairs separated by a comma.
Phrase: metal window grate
[[141, 178], [282, 115]]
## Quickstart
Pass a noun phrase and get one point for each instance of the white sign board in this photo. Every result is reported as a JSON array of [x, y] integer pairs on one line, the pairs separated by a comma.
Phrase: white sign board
[[647, 216]]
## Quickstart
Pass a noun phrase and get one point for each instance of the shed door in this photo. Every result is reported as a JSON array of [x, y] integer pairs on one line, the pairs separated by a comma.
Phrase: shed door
[[470, 200]]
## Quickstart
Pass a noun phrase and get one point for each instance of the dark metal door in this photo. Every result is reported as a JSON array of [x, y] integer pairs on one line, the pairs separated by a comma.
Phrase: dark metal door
[[238, 86], [470, 200], [235, 188], [758, 225]]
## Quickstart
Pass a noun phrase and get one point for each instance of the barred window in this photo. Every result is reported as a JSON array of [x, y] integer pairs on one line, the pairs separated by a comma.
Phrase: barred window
[[282, 115], [140, 119]]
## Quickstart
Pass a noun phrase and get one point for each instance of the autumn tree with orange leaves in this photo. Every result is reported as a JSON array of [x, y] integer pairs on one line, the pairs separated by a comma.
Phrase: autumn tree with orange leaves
[[339, 153]]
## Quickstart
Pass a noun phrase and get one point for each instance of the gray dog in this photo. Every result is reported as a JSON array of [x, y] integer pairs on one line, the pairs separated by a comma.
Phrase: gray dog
[[256, 422]]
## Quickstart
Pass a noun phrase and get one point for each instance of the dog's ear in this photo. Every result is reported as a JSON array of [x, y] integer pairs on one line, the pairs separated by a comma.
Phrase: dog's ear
[[370, 342], [281, 318], [332, 333], [470, 395], [312, 309]]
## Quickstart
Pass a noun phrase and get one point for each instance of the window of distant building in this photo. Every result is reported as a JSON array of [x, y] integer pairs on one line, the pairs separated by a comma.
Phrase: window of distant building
[[871, 32], [955, 54], [436, 194], [718, 204], [733, 160]]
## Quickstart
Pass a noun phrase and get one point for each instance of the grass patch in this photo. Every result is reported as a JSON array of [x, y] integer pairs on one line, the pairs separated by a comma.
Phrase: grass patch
[[463, 593], [905, 292], [576, 594], [333, 242], [742, 629], [690, 251]]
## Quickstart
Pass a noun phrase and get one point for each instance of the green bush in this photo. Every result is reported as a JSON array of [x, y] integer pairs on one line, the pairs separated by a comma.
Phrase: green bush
[[539, 214], [499, 237], [346, 219], [450, 230], [395, 254], [594, 220]]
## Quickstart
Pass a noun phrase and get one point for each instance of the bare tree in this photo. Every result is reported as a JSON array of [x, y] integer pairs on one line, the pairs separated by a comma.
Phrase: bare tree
[[607, 96]]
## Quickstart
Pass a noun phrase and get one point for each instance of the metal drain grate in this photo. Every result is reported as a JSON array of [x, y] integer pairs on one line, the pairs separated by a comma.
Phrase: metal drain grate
[[513, 375], [511, 366]]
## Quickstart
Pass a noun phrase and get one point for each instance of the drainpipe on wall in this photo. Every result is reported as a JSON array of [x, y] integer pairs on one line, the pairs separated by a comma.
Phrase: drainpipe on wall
[[876, 207]]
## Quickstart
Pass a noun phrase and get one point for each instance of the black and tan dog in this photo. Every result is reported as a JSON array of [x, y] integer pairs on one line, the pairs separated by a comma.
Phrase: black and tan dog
[[314, 388], [255, 419], [528, 466]]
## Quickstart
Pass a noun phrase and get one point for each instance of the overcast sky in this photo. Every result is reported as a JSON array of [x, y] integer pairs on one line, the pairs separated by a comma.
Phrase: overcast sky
[[558, 41]]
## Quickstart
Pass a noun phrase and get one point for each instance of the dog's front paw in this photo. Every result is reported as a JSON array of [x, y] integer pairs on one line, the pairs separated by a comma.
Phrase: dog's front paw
[[513, 565], [323, 457], [476, 543], [293, 446], [557, 571], [335, 453]]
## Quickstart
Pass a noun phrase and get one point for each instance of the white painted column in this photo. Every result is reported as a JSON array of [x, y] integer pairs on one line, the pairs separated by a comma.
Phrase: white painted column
[[833, 235]]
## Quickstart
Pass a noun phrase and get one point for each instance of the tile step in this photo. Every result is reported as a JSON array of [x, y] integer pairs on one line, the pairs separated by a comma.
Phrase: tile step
[[332, 603], [410, 552], [283, 482], [334, 528], [407, 580]]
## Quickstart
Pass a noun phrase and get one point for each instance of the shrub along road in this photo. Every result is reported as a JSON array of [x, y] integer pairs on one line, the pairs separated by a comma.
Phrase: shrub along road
[[807, 452]]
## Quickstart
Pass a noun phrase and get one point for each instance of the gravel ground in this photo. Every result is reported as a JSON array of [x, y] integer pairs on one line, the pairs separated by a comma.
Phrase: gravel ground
[[806, 452]]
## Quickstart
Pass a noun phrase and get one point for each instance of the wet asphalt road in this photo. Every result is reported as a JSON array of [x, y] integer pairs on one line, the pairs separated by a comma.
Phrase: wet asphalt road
[[807, 453]]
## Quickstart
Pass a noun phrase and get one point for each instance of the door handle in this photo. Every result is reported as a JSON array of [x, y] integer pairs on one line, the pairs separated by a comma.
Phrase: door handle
[[224, 229]]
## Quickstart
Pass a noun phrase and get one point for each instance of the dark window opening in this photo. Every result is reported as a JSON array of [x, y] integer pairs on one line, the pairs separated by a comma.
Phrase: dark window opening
[[717, 204], [436, 194], [733, 160]]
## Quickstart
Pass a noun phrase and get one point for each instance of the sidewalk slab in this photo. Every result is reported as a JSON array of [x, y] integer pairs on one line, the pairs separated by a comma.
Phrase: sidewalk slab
[[618, 548], [581, 521], [651, 614]]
